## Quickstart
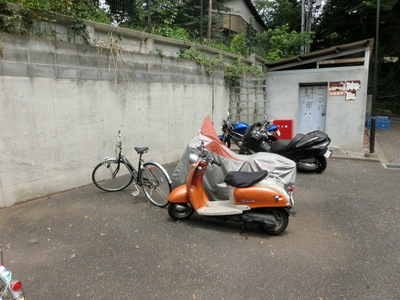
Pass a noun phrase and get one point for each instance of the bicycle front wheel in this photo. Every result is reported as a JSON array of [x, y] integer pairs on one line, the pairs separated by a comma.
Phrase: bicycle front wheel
[[155, 183], [112, 176]]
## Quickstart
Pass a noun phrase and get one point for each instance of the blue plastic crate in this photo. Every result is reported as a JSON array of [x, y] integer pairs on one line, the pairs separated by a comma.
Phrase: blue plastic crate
[[380, 123]]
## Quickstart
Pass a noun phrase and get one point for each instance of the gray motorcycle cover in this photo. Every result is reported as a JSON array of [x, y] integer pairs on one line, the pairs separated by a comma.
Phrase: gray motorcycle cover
[[213, 180]]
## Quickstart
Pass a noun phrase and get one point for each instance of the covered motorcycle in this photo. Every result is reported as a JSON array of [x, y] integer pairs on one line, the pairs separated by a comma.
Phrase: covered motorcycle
[[216, 188]]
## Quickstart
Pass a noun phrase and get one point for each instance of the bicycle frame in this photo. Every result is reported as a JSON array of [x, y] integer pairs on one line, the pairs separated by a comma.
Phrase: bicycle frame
[[118, 150], [134, 172], [151, 176]]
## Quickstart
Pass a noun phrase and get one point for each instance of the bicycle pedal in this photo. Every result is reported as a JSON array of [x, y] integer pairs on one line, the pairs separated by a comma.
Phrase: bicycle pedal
[[135, 193]]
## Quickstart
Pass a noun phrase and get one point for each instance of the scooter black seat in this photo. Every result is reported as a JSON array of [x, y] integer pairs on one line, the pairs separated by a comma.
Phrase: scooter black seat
[[244, 179], [284, 145]]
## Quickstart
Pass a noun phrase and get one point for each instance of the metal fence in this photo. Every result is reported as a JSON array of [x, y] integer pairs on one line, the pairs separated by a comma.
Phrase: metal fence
[[248, 101]]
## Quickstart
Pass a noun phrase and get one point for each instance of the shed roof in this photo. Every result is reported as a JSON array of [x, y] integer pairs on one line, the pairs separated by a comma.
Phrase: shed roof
[[308, 60]]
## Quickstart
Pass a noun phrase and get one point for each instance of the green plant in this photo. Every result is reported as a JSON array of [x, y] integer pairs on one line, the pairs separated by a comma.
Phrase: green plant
[[239, 45], [391, 104], [202, 59], [26, 18], [171, 32], [237, 70], [233, 71], [217, 45], [159, 52]]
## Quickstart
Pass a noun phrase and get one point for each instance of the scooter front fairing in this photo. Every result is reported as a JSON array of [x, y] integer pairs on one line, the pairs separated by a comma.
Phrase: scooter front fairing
[[181, 194]]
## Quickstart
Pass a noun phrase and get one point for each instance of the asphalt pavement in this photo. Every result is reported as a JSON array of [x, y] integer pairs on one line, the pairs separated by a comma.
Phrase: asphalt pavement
[[343, 243], [386, 150], [389, 144]]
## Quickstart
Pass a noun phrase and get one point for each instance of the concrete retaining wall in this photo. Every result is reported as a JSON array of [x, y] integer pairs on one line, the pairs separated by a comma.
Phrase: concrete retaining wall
[[59, 100]]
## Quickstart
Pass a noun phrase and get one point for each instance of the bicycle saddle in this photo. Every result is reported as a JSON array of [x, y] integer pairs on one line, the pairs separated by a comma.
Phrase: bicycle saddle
[[141, 150]]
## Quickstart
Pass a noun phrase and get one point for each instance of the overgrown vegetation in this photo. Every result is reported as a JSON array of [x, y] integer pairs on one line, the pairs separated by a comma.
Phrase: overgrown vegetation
[[36, 16], [234, 71], [174, 19]]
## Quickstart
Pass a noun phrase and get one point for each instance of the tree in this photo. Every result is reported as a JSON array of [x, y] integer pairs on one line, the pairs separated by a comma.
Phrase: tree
[[344, 21], [280, 12], [279, 42]]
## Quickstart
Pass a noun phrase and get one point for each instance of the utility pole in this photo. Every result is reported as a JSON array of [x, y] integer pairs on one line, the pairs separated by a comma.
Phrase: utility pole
[[303, 27], [209, 19], [149, 16], [201, 21], [307, 7]]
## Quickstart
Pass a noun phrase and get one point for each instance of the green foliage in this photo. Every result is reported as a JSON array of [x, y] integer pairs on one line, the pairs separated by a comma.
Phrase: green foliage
[[202, 59], [237, 70], [344, 21], [233, 71], [239, 44], [391, 104], [22, 20], [280, 12], [279, 43], [171, 32], [217, 45]]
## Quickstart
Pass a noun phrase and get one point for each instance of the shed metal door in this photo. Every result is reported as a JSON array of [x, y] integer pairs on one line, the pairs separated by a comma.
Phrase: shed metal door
[[312, 108]]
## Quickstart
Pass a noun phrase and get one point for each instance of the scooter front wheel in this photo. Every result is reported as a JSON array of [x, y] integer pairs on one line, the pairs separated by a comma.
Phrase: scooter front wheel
[[180, 211], [282, 220], [321, 164]]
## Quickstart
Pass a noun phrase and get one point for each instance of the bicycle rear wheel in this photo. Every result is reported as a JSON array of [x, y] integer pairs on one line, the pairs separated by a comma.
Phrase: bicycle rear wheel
[[155, 183], [112, 176]]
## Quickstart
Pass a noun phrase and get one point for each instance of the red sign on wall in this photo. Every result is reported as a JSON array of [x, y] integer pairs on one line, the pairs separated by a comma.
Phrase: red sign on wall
[[285, 127]]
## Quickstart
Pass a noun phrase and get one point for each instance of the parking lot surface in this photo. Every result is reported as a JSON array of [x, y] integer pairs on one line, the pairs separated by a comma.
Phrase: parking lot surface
[[89, 244]]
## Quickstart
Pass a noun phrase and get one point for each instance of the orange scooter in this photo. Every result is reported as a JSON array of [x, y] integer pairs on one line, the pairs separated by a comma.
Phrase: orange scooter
[[254, 197]]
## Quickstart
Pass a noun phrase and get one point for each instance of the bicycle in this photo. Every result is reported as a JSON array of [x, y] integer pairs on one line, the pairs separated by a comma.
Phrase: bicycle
[[116, 173], [10, 288]]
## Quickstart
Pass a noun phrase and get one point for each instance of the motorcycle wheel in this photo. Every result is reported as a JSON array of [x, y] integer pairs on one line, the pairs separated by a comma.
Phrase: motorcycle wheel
[[180, 211], [282, 220], [321, 164]]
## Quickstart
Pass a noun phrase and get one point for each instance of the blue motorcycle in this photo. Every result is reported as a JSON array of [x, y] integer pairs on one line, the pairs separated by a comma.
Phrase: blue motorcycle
[[232, 132]]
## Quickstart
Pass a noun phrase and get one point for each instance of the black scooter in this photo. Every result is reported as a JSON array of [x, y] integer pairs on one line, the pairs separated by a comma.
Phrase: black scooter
[[309, 151]]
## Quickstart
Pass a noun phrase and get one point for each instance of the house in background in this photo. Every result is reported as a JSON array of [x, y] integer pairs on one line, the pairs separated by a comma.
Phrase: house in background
[[242, 17]]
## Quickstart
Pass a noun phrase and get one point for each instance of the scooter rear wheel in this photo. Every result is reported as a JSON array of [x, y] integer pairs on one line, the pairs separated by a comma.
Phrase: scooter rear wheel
[[180, 211], [282, 220]]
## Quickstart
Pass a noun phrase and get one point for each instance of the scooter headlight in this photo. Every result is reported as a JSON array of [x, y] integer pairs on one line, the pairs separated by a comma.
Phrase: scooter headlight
[[193, 158]]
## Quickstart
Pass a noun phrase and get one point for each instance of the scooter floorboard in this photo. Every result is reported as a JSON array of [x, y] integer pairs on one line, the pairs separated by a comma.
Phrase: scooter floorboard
[[221, 208]]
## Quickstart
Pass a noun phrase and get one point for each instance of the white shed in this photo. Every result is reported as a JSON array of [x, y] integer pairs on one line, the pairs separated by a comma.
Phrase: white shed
[[325, 90]]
